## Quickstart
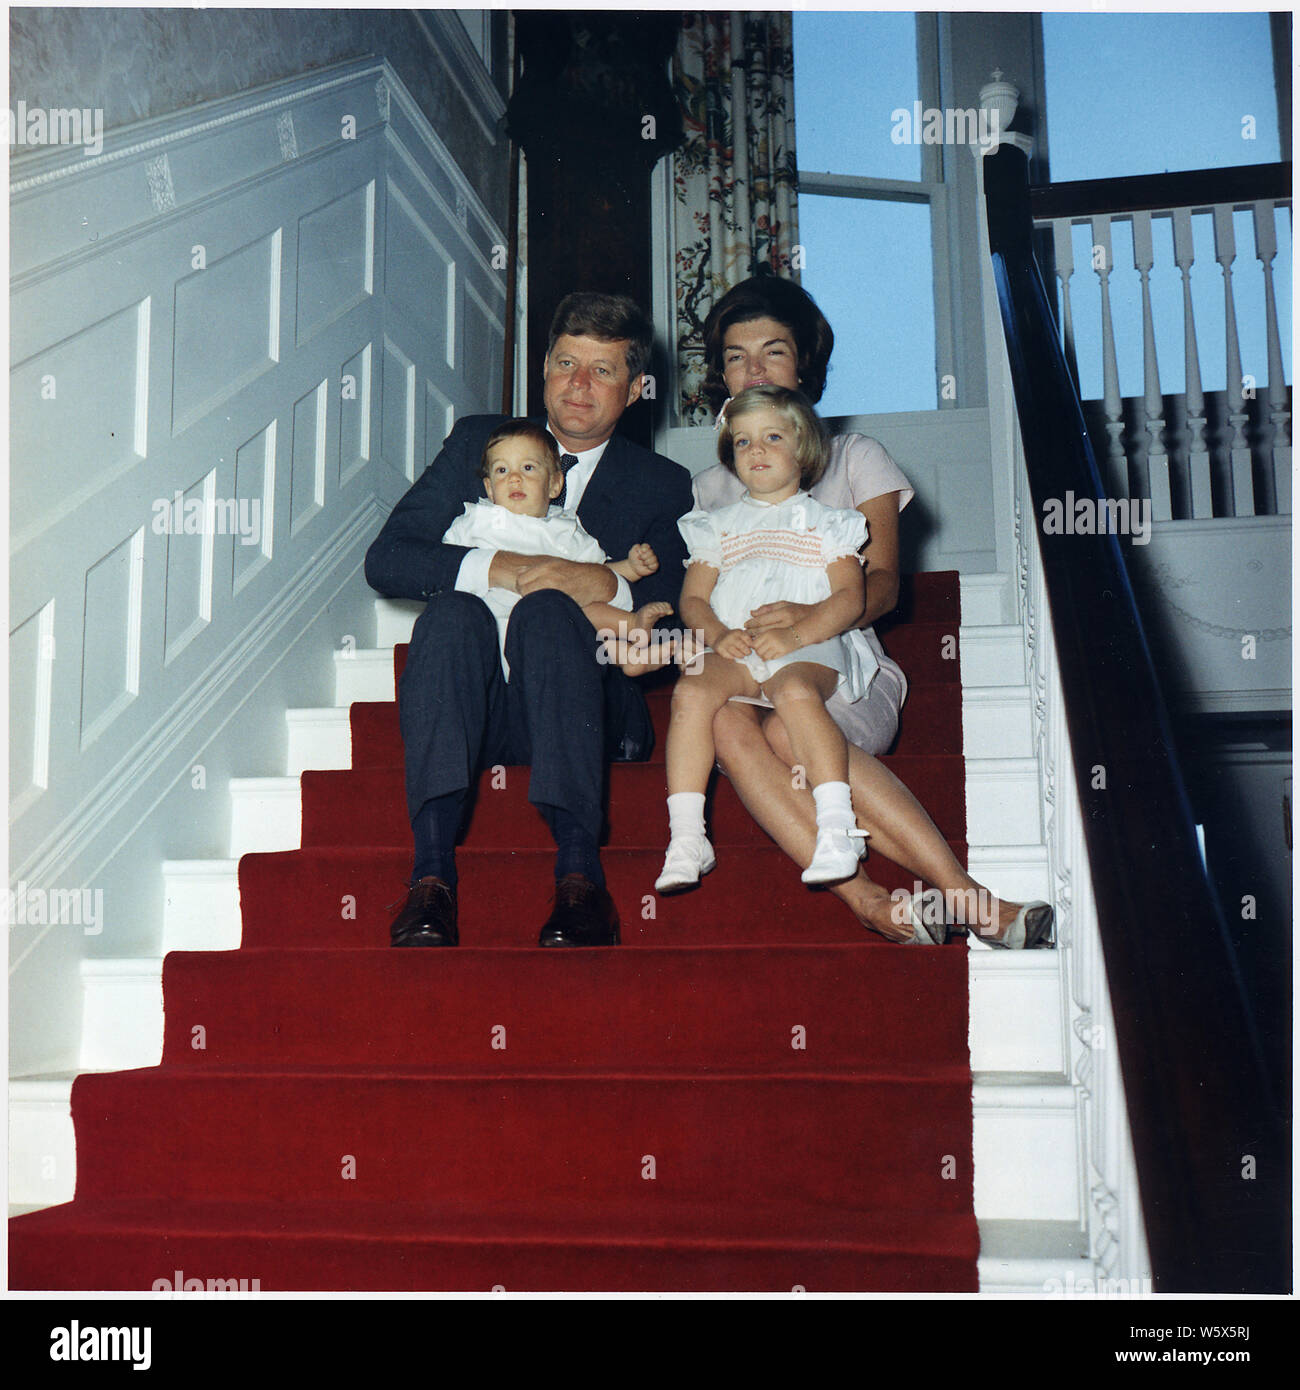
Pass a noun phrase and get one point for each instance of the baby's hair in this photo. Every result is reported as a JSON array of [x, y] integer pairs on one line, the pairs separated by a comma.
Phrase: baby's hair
[[522, 429], [811, 451]]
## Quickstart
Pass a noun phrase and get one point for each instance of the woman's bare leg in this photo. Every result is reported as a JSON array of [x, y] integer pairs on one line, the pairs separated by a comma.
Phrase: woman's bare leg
[[787, 812], [901, 829]]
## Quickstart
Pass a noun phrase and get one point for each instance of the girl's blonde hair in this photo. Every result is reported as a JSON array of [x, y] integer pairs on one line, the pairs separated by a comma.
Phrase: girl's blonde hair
[[811, 449]]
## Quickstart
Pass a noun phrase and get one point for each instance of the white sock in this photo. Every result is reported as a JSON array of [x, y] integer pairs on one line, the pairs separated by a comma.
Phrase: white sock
[[834, 806], [686, 814]]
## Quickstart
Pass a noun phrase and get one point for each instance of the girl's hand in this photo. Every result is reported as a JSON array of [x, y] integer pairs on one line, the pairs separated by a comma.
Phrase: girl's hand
[[733, 644], [777, 615], [778, 642]]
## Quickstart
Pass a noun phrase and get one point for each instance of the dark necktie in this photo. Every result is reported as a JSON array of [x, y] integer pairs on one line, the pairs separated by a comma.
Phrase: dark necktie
[[566, 462]]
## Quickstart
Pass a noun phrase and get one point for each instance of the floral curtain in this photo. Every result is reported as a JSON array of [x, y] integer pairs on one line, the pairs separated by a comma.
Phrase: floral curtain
[[734, 178]]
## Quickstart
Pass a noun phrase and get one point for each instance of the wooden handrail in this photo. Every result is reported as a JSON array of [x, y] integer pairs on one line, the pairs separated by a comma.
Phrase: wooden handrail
[[1211, 1146], [1197, 188]]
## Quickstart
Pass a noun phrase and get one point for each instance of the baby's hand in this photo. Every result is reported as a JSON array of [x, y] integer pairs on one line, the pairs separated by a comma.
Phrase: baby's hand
[[776, 642], [643, 560], [733, 644]]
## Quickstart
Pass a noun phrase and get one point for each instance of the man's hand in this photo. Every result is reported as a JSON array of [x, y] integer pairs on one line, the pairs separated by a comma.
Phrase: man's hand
[[733, 644], [777, 615], [583, 583]]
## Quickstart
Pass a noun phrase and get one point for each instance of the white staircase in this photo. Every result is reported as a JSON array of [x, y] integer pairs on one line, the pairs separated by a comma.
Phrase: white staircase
[[1026, 1129]]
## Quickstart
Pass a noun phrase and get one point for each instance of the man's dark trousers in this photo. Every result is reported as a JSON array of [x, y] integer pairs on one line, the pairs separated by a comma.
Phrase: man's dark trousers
[[562, 712]]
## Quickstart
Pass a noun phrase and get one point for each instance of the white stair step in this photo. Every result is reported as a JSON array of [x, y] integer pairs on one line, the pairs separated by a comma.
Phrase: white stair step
[[366, 674], [1035, 1259], [1026, 1149], [997, 721], [265, 815], [992, 655], [1019, 873], [42, 1145], [1003, 802], [122, 1019], [1016, 1013], [987, 600], [394, 619], [319, 740], [201, 905]]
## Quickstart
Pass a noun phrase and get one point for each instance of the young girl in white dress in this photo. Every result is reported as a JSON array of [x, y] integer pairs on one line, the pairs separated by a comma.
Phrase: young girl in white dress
[[777, 543], [522, 476]]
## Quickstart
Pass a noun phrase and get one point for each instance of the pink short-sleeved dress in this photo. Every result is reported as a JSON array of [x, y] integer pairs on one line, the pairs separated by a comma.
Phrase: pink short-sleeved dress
[[860, 468]]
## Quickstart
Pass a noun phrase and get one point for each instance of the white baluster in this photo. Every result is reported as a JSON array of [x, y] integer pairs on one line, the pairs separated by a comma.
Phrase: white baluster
[[1198, 456], [1102, 262], [1225, 252], [1280, 444], [1063, 255], [1153, 406]]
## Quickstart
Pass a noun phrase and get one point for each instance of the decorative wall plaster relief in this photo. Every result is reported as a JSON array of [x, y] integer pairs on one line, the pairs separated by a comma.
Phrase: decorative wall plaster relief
[[287, 135], [161, 193]]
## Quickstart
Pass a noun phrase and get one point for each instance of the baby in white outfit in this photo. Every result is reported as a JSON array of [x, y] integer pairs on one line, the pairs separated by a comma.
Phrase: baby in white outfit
[[522, 476]]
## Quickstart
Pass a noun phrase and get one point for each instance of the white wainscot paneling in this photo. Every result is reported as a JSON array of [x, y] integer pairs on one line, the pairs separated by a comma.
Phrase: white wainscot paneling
[[227, 328], [310, 437], [397, 411], [255, 483], [190, 522], [354, 415], [439, 416], [415, 255], [336, 260], [484, 344], [110, 664], [77, 417], [31, 666]]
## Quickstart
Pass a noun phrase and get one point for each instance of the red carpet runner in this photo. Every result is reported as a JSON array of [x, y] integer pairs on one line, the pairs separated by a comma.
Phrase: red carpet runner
[[750, 1094]]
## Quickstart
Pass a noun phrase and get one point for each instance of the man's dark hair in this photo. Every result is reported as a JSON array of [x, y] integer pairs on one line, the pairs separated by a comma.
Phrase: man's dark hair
[[770, 297], [608, 317], [521, 429]]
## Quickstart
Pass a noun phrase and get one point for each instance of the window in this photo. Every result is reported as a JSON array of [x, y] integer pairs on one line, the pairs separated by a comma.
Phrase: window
[[870, 193], [1118, 89]]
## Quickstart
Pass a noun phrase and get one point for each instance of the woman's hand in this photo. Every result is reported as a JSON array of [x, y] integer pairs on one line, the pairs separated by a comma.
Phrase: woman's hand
[[777, 615], [733, 644], [778, 641]]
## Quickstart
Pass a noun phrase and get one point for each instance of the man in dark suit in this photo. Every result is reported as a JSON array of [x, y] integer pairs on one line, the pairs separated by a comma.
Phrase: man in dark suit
[[561, 711]]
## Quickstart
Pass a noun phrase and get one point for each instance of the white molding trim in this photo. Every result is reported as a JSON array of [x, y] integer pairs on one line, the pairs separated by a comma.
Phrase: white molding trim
[[162, 744]]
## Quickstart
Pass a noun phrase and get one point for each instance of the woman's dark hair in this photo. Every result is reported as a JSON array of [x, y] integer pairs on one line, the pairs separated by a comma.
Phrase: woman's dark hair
[[770, 297]]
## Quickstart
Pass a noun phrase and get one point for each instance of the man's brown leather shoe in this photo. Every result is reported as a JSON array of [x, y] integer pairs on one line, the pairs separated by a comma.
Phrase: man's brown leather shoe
[[583, 915], [428, 917]]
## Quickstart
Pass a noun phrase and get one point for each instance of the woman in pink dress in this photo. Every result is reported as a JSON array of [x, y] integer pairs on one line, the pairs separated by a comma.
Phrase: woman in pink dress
[[769, 331]]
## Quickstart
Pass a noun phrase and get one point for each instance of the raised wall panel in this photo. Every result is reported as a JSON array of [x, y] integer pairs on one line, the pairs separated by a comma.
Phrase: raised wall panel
[[439, 417], [354, 415], [397, 411], [484, 345], [110, 659], [255, 484], [417, 262], [190, 520], [307, 469], [31, 670], [78, 419], [336, 259], [227, 328]]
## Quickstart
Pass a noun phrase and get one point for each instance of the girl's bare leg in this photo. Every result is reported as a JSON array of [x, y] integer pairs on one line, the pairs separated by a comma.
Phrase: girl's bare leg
[[799, 693], [697, 697]]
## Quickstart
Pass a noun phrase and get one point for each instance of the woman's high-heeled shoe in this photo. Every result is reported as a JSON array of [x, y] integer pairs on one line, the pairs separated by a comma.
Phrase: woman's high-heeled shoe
[[1031, 927], [923, 933]]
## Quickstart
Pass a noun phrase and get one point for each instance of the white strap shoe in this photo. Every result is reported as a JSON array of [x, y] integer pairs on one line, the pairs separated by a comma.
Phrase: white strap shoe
[[836, 856], [689, 857]]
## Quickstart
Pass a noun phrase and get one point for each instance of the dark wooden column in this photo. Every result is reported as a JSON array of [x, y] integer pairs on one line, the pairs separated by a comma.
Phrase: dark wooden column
[[593, 112]]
